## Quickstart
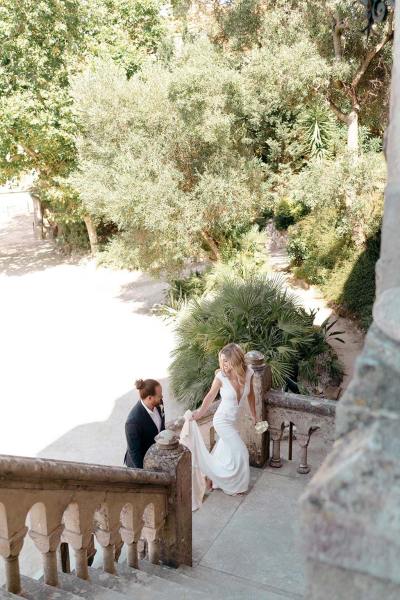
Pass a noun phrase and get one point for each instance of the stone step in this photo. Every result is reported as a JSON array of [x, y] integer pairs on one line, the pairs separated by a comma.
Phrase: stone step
[[88, 590], [7, 595], [180, 590], [175, 575], [130, 586], [32, 589], [235, 587]]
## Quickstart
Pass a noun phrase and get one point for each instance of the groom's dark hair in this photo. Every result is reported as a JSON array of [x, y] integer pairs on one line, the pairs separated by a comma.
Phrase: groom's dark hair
[[146, 387]]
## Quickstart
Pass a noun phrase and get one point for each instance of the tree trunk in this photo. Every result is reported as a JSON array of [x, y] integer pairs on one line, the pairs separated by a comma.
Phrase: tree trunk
[[37, 216], [92, 233], [352, 132], [215, 253]]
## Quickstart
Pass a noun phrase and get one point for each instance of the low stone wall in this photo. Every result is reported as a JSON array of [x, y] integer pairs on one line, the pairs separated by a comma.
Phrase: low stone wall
[[305, 415]]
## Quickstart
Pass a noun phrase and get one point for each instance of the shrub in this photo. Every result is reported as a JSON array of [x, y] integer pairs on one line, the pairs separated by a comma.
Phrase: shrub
[[352, 283], [287, 213], [258, 314], [248, 260], [316, 244]]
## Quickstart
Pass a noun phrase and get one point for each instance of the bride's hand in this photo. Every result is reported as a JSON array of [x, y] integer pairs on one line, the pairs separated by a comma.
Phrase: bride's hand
[[195, 415]]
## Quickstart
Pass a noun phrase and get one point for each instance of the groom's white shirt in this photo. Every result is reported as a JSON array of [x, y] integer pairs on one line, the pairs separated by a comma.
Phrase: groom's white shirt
[[155, 415]]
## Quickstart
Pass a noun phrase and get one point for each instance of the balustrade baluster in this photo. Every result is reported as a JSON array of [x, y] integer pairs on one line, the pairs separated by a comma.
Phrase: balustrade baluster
[[276, 436], [47, 546], [10, 550], [131, 528], [107, 533], [78, 533]]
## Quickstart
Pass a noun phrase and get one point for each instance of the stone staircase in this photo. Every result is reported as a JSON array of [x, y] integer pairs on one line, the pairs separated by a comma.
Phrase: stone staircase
[[149, 582], [240, 548]]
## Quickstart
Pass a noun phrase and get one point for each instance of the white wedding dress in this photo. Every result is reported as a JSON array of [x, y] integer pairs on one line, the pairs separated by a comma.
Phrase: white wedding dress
[[228, 464]]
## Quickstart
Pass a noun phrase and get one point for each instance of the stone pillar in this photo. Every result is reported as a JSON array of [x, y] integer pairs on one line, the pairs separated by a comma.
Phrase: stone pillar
[[257, 444], [47, 546], [78, 534], [10, 550], [276, 435], [175, 547], [303, 441], [107, 531], [108, 540], [350, 510], [131, 528]]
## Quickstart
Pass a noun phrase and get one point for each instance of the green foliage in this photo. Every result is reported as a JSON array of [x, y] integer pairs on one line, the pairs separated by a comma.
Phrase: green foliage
[[335, 244], [316, 244], [352, 283], [287, 213], [41, 45], [341, 183], [319, 132], [127, 31], [258, 314], [164, 157], [241, 23]]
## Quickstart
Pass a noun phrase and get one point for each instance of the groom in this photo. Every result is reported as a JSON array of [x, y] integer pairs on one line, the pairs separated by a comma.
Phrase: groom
[[144, 422]]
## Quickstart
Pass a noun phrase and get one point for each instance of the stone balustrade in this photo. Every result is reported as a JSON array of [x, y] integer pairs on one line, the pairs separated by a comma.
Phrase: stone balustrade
[[59, 501], [305, 414]]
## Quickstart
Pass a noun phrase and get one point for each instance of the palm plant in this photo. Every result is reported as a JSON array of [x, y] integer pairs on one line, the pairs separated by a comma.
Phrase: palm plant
[[318, 132], [259, 314]]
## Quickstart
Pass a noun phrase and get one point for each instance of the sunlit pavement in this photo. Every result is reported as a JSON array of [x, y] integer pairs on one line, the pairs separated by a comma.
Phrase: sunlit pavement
[[73, 339]]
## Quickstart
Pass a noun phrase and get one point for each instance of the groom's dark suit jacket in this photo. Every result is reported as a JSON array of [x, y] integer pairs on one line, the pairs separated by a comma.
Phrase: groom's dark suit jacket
[[140, 431]]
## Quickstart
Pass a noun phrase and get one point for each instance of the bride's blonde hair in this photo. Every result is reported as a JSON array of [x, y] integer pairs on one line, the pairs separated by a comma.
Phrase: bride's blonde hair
[[235, 356]]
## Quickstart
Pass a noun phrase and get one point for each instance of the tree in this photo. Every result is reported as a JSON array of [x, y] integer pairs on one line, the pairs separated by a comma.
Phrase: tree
[[41, 45], [165, 157], [360, 65]]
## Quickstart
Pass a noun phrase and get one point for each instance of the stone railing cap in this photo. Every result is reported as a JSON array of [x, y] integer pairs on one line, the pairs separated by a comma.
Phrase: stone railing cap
[[254, 357], [17, 468], [167, 439]]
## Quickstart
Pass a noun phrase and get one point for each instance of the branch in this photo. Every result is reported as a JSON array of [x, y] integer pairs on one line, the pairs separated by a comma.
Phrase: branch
[[373, 53], [338, 26], [340, 115]]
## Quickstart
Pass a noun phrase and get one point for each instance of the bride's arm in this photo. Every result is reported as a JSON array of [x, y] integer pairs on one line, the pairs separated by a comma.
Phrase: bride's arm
[[252, 401], [208, 400]]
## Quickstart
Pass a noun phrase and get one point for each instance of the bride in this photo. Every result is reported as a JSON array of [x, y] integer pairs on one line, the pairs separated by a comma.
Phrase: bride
[[227, 467]]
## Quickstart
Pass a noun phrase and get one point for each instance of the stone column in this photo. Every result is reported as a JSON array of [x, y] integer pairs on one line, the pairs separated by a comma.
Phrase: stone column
[[47, 546], [131, 528], [169, 456], [108, 540], [10, 549], [276, 435], [350, 510], [257, 444], [107, 531], [78, 533]]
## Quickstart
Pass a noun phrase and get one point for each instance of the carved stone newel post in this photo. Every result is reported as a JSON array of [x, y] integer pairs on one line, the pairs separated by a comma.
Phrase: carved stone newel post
[[175, 548], [257, 444]]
